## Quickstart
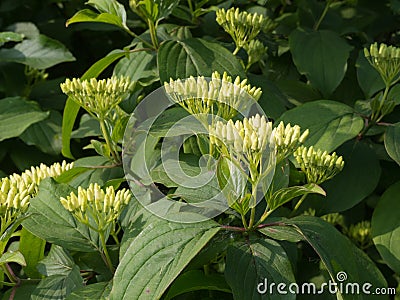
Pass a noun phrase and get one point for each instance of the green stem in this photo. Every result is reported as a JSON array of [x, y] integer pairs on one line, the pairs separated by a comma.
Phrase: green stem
[[321, 18], [298, 204], [236, 50], [139, 38], [153, 34], [105, 255], [253, 206], [10, 274], [107, 138]]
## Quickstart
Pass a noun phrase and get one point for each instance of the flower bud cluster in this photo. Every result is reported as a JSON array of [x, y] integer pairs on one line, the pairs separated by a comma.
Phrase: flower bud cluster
[[255, 51], [93, 203], [287, 139], [385, 59], [17, 189], [98, 97], [246, 140], [318, 165], [360, 233], [242, 26], [220, 95]]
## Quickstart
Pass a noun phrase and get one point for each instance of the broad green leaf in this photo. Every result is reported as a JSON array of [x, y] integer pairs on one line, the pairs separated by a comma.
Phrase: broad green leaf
[[40, 52], [249, 263], [196, 280], [32, 247], [21, 293], [52, 222], [330, 123], [99, 290], [165, 7], [111, 12], [339, 254], [281, 176], [197, 195], [88, 127], [314, 56], [169, 246], [12, 257], [392, 142], [139, 66], [187, 166], [195, 57], [9, 36], [386, 227], [63, 275], [46, 134], [345, 189], [28, 29], [284, 195], [87, 15], [57, 262], [162, 125], [72, 108], [368, 78], [16, 115], [232, 182], [279, 231], [272, 100]]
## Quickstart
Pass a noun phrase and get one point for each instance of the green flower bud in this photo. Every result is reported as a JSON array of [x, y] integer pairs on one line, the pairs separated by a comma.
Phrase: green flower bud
[[385, 59], [287, 139], [98, 97], [102, 207], [243, 27], [318, 166]]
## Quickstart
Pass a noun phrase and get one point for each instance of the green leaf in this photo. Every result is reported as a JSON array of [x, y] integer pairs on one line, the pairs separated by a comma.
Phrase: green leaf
[[344, 190], [392, 142], [17, 114], [368, 78], [9, 36], [12, 257], [330, 123], [87, 15], [139, 66], [40, 52], [72, 108], [280, 232], [88, 127], [195, 57], [284, 195], [57, 262], [339, 254], [186, 166], [232, 182], [386, 227], [162, 125], [22, 293], [196, 280], [314, 56], [32, 247], [52, 222], [169, 246], [165, 7], [46, 134], [248, 263], [63, 275], [111, 12], [99, 290]]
